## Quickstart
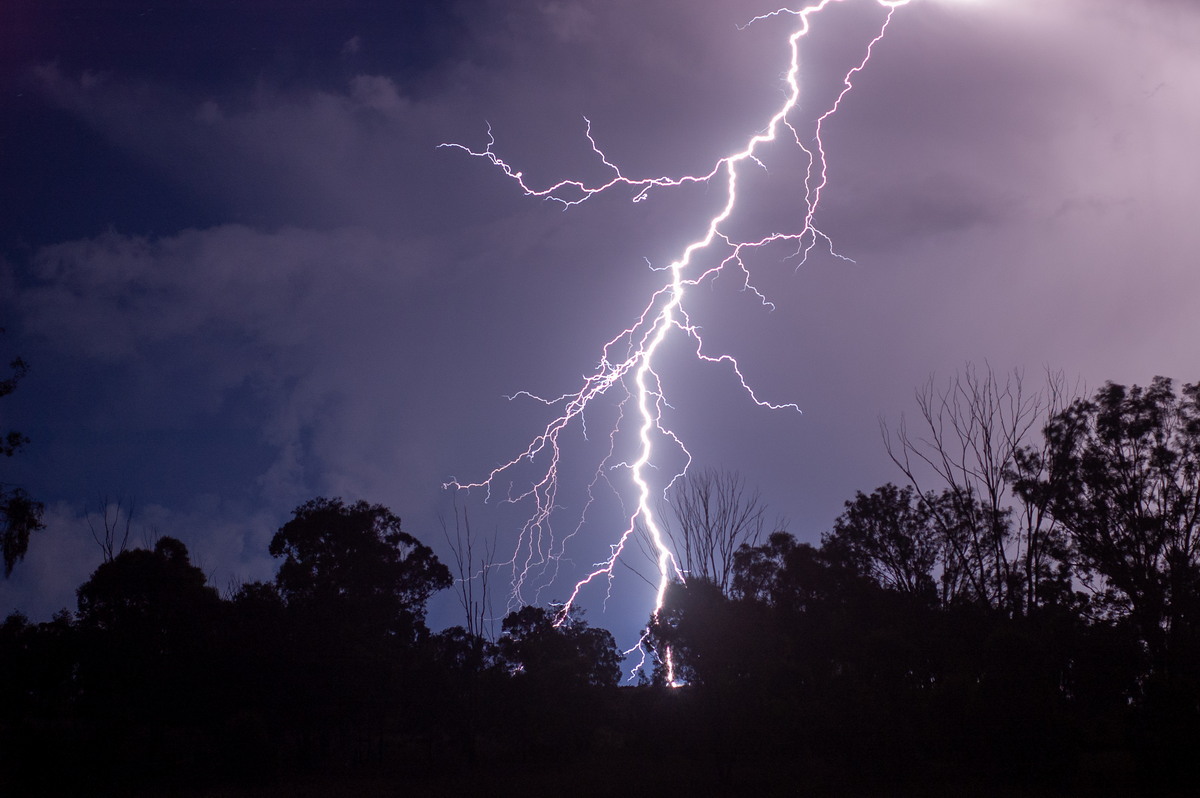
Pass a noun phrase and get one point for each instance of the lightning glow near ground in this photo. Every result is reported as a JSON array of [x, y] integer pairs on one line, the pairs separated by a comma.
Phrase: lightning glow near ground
[[627, 361]]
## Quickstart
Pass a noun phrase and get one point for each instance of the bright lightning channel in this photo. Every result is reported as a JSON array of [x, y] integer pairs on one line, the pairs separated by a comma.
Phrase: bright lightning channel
[[629, 357]]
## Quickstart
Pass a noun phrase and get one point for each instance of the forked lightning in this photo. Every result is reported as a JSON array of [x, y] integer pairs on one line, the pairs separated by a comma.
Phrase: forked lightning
[[627, 360]]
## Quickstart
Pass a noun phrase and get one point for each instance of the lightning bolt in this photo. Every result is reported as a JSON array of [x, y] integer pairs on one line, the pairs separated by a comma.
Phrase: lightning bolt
[[627, 360]]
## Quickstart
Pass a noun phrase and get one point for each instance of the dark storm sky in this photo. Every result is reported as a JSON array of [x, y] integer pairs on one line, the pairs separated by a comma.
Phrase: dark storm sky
[[245, 276]]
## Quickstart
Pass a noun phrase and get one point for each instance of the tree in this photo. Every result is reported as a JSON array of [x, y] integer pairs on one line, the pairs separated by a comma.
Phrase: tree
[[258, 662], [37, 666], [354, 585], [113, 537], [145, 591], [891, 536], [1122, 477], [353, 564], [559, 653], [795, 578], [973, 441], [472, 576], [20, 515], [148, 622], [713, 641], [714, 514]]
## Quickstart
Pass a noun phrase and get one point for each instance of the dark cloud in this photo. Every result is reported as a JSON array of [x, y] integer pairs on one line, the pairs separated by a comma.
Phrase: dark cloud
[[195, 44]]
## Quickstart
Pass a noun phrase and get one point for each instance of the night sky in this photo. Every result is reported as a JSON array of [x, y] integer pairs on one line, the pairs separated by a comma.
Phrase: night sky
[[244, 274]]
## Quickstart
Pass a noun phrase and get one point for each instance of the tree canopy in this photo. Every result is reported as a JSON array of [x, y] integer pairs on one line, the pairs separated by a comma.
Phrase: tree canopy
[[355, 562], [1123, 479], [555, 651]]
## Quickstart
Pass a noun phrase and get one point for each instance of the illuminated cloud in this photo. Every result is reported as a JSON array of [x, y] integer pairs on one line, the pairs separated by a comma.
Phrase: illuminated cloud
[[276, 273]]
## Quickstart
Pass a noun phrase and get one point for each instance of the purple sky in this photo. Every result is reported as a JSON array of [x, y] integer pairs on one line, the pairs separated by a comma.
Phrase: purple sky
[[245, 276]]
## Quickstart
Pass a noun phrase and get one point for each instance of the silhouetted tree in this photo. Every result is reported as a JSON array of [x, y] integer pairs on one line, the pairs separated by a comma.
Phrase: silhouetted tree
[[1123, 479], [891, 536], [469, 678], [793, 576], [973, 441], [112, 536], [355, 565], [561, 652], [38, 691], [256, 657], [355, 586], [880, 662], [148, 675], [713, 640], [461, 652], [37, 666], [20, 515], [473, 576], [257, 641], [559, 685], [713, 514], [146, 591]]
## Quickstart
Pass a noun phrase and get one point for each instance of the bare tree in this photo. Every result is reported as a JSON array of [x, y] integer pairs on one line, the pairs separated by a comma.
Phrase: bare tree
[[973, 443], [113, 536], [471, 576], [714, 513]]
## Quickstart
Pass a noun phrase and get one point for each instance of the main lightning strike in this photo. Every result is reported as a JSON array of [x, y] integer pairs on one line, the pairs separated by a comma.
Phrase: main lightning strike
[[629, 357]]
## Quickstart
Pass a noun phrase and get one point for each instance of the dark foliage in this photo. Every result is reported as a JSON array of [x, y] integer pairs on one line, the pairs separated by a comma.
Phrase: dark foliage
[[20, 515], [353, 565], [558, 652], [908, 653], [1124, 482]]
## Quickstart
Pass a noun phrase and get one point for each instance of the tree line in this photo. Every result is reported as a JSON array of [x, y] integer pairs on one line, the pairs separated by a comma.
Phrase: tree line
[[157, 682], [1021, 613]]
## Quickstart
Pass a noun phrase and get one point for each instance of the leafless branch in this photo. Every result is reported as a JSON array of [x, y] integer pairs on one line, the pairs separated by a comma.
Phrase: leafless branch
[[113, 536], [471, 575]]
